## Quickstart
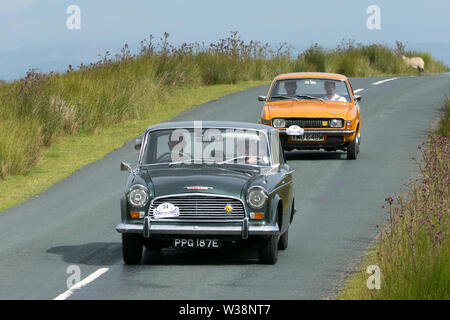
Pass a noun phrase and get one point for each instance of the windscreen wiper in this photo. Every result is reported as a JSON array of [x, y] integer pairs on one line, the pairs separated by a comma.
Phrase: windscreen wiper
[[239, 158], [190, 161], [283, 97], [308, 96]]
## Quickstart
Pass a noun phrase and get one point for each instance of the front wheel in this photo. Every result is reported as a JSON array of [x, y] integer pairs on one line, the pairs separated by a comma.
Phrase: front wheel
[[268, 249], [352, 149], [132, 248], [283, 242]]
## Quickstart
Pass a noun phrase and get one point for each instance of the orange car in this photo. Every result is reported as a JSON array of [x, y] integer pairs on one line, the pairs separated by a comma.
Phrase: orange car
[[321, 107]]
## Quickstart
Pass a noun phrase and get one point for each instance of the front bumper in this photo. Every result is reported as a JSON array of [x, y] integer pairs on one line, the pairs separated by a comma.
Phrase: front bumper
[[242, 231], [333, 139], [283, 131]]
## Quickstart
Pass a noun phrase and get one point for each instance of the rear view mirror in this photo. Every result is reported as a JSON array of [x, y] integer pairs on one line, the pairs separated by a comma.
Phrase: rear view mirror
[[262, 98], [137, 144], [357, 98]]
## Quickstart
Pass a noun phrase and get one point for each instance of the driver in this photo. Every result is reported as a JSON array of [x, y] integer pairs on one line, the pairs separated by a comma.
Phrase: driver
[[176, 146], [291, 87], [330, 88]]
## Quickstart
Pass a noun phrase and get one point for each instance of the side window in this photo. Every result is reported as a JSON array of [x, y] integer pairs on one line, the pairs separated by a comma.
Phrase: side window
[[342, 90], [351, 92], [275, 147]]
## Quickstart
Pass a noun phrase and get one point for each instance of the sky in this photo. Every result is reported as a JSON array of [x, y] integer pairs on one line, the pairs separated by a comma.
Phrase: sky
[[34, 33]]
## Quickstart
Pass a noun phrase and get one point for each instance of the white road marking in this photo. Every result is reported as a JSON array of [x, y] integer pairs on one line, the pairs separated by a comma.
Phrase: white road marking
[[82, 283], [358, 90], [382, 81]]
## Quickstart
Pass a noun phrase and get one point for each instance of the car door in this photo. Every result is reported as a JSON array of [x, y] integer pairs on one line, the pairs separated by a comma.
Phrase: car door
[[284, 186]]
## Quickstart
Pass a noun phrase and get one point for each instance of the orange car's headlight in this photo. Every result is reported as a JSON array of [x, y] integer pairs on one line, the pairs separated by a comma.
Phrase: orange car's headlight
[[336, 123], [279, 123]]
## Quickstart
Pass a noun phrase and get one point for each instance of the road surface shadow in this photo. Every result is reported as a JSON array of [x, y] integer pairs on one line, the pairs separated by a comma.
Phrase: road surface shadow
[[315, 155], [104, 254], [92, 254], [227, 255]]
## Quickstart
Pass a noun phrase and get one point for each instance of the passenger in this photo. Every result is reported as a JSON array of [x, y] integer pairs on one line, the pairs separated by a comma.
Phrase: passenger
[[330, 88]]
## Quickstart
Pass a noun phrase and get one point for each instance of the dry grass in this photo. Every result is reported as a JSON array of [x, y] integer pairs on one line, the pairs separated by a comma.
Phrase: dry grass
[[70, 153], [413, 249], [40, 108]]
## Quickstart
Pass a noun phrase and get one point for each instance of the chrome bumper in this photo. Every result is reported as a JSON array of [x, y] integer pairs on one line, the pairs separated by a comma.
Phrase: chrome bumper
[[244, 230], [323, 131]]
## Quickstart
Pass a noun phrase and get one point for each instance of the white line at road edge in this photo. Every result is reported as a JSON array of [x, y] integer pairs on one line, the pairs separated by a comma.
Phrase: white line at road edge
[[358, 90], [386, 80], [82, 283]]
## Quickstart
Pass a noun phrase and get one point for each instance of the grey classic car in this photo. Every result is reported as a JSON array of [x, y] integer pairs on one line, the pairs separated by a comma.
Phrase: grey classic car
[[204, 184]]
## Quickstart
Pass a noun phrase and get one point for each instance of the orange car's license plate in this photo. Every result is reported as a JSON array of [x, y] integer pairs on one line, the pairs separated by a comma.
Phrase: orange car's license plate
[[308, 137]]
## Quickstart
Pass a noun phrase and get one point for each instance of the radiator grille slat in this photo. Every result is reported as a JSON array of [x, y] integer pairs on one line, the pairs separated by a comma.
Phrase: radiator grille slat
[[202, 207], [309, 122]]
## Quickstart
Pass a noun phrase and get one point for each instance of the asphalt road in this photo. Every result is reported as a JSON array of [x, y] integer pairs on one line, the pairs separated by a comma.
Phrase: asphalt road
[[339, 204]]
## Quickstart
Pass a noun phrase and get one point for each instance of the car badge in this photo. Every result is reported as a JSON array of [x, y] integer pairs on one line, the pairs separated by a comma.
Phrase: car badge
[[198, 188], [228, 208]]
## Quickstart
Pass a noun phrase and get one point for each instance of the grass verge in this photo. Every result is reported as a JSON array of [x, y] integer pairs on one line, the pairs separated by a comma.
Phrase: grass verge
[[412, 251], [41, 108], [69, 153], [82, 105]]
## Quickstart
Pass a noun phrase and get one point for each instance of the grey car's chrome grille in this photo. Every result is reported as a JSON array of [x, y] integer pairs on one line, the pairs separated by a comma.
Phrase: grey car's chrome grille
[[202, 207], [308, 122]]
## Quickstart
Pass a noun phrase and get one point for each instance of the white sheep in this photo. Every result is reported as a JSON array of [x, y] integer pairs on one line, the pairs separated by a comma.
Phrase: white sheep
[[415, 62]]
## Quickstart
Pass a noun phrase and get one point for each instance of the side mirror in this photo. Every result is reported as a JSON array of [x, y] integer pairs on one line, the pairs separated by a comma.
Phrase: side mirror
[[357, 97], [125, 166], [262, 98], [137, 144]]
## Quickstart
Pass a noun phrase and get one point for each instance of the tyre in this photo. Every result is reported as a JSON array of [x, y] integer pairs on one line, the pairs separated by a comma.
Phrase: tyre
[[132, 248], [268, 249], [359, 142], [352, 149], [283, 242]]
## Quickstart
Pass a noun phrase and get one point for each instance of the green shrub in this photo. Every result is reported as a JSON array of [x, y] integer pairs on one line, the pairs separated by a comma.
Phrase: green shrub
[[316, 57]]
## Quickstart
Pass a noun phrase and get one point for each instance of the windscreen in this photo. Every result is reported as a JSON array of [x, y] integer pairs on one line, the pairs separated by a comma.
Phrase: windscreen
[[206, 145], [310, 89]]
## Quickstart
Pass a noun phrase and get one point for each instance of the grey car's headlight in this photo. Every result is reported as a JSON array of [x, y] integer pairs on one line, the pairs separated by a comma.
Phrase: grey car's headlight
[[336, 123], [257, 197], [138, 196], [279, 123]]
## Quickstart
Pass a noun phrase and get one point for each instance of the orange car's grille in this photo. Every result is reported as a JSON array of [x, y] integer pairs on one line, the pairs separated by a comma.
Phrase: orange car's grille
[[308, 122]]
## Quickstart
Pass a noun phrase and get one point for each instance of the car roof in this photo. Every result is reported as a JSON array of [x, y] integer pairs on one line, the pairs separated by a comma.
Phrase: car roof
[[210, 124], [295, 75]]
